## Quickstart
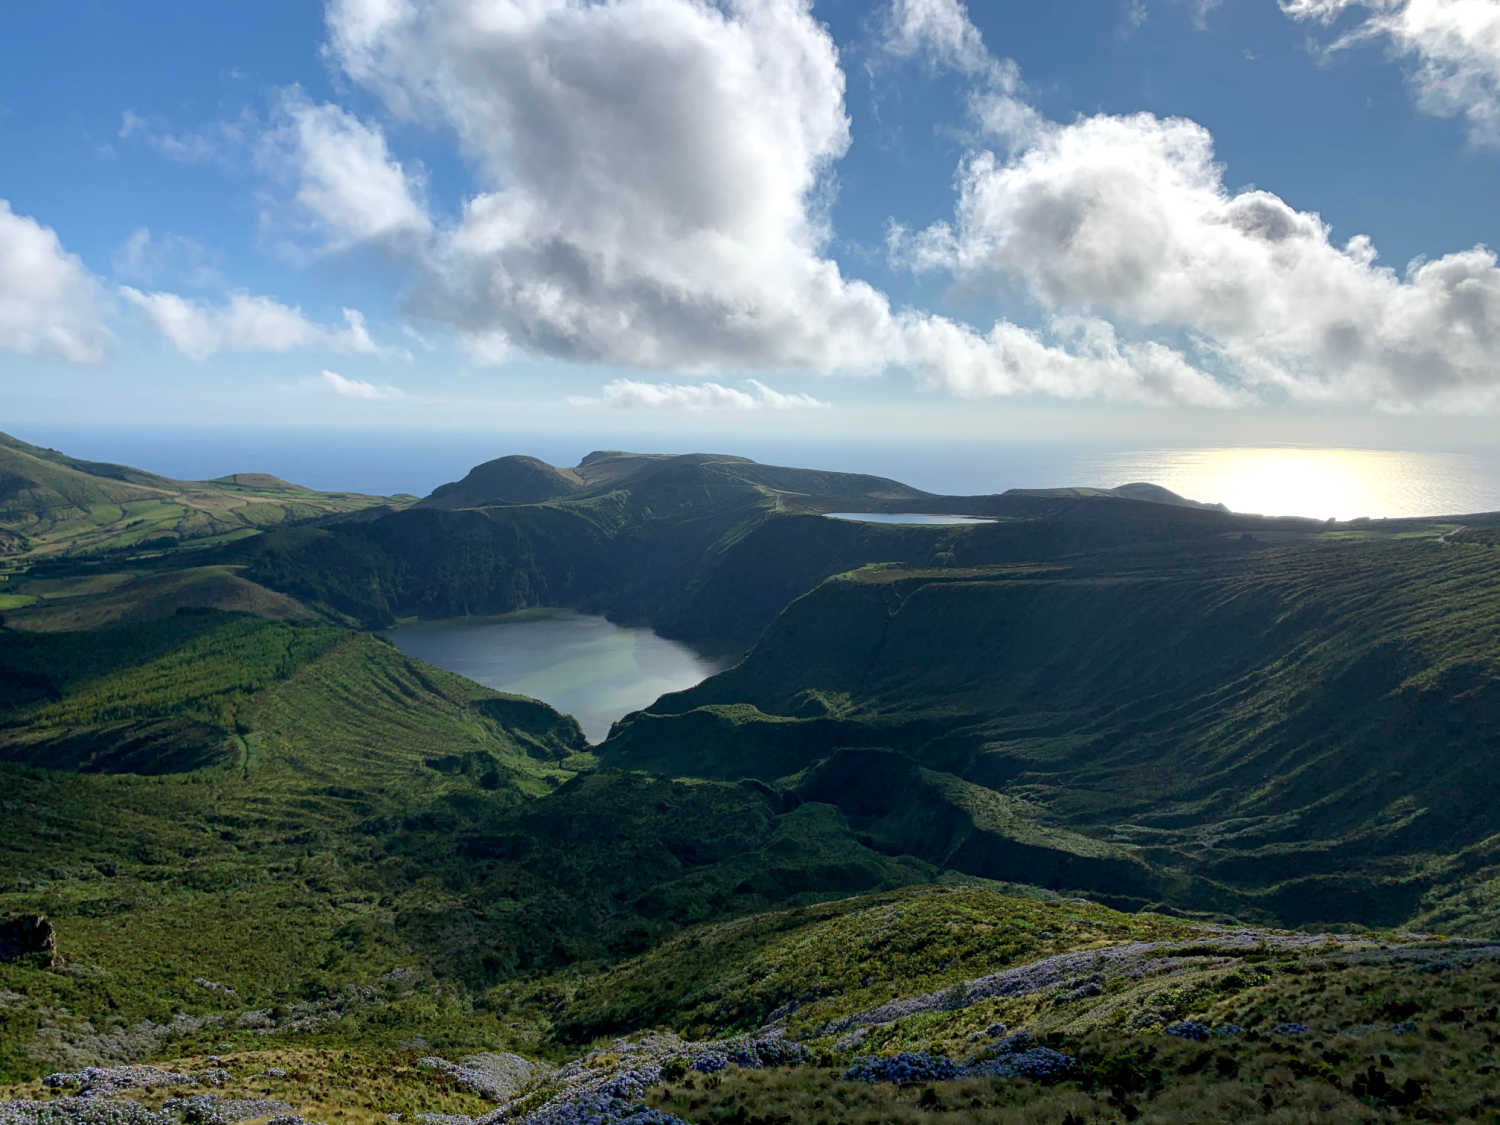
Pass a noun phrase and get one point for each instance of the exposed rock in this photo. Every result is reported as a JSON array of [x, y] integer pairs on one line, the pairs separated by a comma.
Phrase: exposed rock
[[30, 935]]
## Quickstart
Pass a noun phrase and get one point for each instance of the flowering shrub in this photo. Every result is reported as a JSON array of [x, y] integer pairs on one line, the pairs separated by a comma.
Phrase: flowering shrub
[[1188, 1029], [617, 1102], [709, 1062], [82, 1111], [1039, 1064], [905, 1069]]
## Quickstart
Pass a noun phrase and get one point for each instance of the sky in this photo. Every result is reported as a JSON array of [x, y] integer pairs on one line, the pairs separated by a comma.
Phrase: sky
[[1168, 221]]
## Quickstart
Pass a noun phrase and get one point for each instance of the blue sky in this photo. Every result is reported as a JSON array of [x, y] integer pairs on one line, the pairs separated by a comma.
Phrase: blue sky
[[668, 216]]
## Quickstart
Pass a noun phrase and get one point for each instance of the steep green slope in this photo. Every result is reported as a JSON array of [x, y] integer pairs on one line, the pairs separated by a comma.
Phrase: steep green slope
[[703, 547], [293, 812], [96, 597], [1300, 731], [52, 504]]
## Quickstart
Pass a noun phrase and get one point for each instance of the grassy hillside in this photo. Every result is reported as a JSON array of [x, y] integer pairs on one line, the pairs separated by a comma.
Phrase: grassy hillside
[[1302, 732], [93, 598], [843, 881], [294, 813], [52, 504], [959, 1003], [705, 548]]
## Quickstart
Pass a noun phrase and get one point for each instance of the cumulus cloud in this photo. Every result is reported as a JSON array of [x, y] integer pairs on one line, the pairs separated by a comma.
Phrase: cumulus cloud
[[1077, 357], [332, 381], [697, 397], [1455, 45], [342, 174], [1201, 10], [1123, 226], [48, 299], [247, 323], [654, 175]]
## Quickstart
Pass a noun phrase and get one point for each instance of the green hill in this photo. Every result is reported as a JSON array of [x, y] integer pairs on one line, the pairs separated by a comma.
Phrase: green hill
[[293, 811], [1300, 732], [703, 547], [52, 504], [507, 480], [1002, 794]]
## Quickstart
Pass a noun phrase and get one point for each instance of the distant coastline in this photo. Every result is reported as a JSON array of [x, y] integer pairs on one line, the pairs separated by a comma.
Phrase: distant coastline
[[1290, 480]]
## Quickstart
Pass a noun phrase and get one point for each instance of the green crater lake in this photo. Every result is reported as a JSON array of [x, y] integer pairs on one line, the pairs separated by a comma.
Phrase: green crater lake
[[583, 665]]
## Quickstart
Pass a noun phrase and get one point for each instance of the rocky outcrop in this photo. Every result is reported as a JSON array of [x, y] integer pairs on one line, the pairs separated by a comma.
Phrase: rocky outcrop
[[28, 936]]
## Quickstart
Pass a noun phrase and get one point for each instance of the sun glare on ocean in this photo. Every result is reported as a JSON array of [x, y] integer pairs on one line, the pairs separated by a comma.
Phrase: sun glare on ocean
[[1320, 483]]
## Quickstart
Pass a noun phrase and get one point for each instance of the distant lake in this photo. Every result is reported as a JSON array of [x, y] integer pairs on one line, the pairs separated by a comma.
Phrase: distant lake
[[583, 665], [905, 517]]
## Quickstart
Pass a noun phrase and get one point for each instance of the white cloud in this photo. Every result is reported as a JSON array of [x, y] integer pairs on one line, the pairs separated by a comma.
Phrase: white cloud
[[1084, 358], [1128, 218], [654, 175], [192, 146], [1201, 9], [1454, 43], [48, 299], [633, 393], [247, 323], [940, 33], [343, 387], [343, 175], [151, 258]]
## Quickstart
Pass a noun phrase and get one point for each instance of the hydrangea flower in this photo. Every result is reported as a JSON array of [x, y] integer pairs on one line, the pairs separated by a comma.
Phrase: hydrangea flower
[[905, 1069], [1188, 1029]]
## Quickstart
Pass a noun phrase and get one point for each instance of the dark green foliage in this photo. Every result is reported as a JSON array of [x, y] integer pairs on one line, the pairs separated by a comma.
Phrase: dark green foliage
[[1297, 732], [294, 838], [340, 811], [706, 548]]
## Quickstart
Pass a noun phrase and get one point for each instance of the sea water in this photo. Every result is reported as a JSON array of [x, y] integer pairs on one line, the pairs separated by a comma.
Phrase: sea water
[[1269, 480]]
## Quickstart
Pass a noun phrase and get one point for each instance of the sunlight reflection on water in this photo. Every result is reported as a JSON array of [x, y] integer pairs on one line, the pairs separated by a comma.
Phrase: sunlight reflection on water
[[1322, 483]]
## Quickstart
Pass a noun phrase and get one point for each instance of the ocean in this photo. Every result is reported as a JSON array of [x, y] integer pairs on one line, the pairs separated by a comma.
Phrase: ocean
[[1273, 480]]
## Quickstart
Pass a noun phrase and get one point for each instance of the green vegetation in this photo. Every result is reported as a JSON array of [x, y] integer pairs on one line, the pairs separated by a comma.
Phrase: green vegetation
[[52, 505], [1035, 773], [1293, 733], [295, 813]]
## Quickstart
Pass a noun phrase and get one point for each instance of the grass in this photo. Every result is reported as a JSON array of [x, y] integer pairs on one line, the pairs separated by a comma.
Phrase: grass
[[356, 1087], [292, 846], [832, 959], [1289, 733], [296, 813], [52, 505], [97, 600]]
